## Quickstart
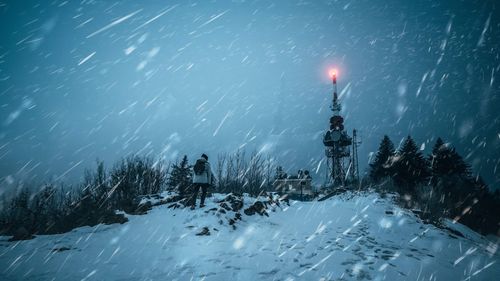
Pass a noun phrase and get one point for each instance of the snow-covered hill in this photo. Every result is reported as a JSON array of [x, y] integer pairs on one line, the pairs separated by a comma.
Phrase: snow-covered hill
[[356, 237]]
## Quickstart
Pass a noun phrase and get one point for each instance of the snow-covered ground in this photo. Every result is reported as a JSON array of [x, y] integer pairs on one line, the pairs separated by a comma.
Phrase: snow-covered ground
[[362, 237]]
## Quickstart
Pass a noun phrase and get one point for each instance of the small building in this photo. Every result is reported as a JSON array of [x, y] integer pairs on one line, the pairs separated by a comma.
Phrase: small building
[[296, 187]]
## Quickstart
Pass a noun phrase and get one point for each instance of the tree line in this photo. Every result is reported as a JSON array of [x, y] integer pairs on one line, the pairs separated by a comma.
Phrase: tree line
[[439, 185], [234, 172], [55, 208]]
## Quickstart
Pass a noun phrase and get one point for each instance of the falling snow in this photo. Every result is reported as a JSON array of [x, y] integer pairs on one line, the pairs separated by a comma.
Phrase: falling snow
[[163, 245], [91, 80]]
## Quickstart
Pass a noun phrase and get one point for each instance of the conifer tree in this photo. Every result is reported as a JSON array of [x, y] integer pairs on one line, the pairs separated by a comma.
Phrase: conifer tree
[[380, 167], [410, 166], [450, 174], [180, 176], [445, 161]]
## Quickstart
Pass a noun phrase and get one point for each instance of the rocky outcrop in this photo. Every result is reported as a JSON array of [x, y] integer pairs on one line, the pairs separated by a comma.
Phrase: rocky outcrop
[[204, 232], [231, 202], [257, 207], [182, 203], [261, 207]]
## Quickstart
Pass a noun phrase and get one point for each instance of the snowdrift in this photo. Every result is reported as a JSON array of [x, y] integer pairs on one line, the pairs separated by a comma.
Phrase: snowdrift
[[348, 237]]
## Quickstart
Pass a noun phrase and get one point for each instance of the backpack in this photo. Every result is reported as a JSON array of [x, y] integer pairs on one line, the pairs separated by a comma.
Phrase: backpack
[[199, 167]]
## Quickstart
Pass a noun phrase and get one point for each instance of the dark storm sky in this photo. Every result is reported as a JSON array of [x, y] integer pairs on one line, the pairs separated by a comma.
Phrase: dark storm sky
[[81, 80]]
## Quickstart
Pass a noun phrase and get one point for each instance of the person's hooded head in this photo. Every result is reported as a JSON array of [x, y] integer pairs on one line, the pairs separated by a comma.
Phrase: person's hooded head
[[204, 156]]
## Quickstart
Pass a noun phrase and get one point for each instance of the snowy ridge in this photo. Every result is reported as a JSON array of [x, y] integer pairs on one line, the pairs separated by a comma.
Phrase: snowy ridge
[[352, 237]]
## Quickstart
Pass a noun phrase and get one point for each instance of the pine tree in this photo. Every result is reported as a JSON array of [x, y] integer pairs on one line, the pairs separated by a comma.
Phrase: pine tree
[[445, 161], [44, 208], [380, 167], [87, 208], [410, 166], [180, 176]]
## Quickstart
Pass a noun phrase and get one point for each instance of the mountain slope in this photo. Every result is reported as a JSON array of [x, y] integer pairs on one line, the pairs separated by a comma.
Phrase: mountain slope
[[362, 237]]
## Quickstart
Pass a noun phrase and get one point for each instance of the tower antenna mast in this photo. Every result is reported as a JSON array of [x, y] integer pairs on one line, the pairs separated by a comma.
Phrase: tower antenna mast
[[337, 144]]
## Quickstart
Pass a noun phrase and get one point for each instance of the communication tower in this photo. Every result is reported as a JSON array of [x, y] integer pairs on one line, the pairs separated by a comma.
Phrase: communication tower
[[340, 148]]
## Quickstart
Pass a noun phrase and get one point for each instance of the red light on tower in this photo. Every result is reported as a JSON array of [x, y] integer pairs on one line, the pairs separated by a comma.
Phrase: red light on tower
[[333, 74]]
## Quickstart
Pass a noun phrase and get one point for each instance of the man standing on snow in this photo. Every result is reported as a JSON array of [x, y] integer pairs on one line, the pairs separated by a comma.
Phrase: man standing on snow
[[202, 178]]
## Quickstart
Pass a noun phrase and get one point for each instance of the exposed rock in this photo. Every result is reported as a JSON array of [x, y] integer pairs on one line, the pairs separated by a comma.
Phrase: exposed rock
[[204, 232], [61, 249], [278, 201], [233, 221], [142, 204], [182, 203], [261, 207], [257, 207], [175, 206], [250, 211], [211, 210], [174, 198], [142, 208], [225, 206], [232, 202], [111, 218]]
